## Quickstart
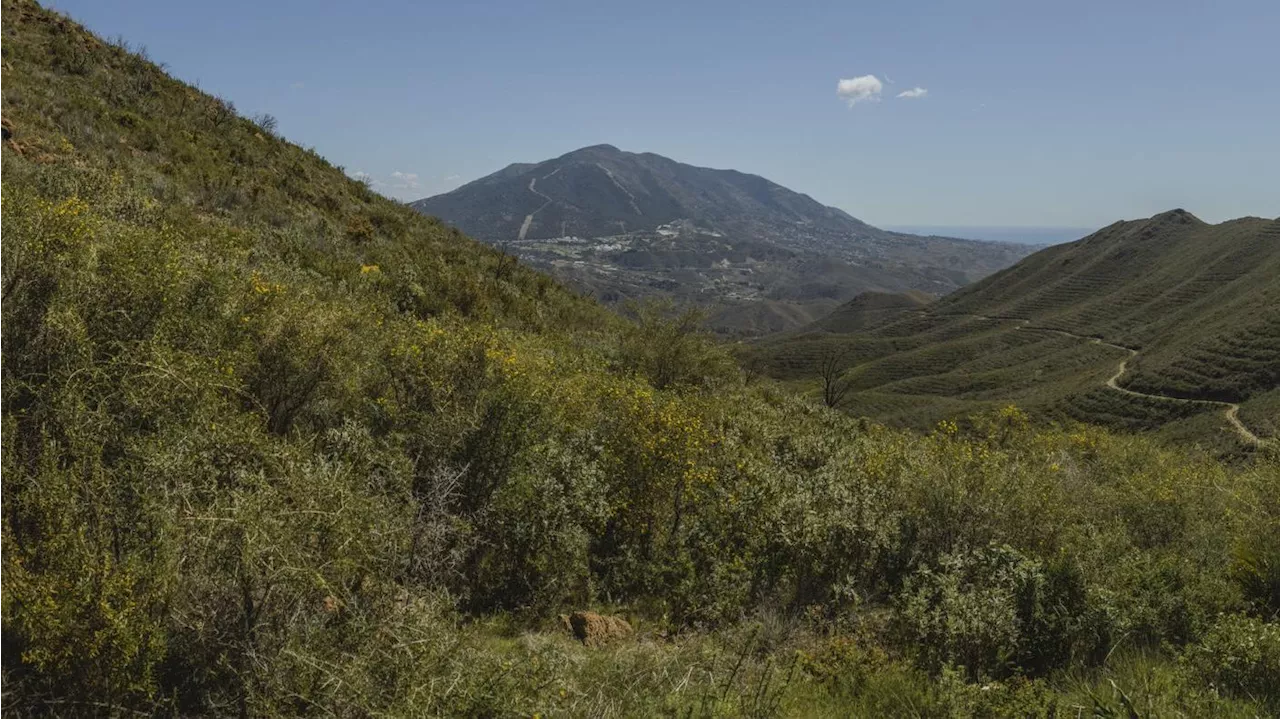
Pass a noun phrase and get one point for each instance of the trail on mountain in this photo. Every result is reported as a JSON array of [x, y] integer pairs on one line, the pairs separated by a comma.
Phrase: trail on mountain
[[630, 197], [1230, 409], [528, 219]]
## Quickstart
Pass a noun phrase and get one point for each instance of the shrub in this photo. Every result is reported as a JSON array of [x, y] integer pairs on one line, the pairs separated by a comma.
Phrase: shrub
[[993, 611], [1241, 656], [845, 664], [359, 229], [666, 347], [69, 53], [1255, 562], [537, 530]]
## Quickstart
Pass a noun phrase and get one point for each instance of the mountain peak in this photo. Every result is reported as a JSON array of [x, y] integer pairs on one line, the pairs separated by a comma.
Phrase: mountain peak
[[601, 149], [1177, 216]]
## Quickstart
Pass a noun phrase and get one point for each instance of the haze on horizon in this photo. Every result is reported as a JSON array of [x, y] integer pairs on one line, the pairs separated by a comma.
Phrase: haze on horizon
[[994, 113]]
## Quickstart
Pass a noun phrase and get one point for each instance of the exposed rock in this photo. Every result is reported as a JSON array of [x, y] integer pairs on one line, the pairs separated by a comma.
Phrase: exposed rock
[[595, 630]]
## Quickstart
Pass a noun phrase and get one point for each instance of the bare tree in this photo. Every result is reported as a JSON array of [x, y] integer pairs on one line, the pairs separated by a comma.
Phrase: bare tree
[[439, 546], [831, 366], [221, 111], [267, 123]]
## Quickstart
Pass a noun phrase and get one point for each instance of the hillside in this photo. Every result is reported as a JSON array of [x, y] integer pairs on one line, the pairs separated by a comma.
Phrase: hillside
[[1192, 309], [868, 310], [621, 225], [274, 445]]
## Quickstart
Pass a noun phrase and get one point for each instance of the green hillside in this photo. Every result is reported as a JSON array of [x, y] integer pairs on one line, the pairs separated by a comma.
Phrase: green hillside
[[868, 310], [1191, 309], [274, 445]]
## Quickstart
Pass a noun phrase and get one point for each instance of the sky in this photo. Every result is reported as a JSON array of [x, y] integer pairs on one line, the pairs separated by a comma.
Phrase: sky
[[921, 113]]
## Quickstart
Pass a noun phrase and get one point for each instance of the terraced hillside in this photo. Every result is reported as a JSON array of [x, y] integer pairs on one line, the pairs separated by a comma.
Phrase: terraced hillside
[[868, 310], [1191, 309]]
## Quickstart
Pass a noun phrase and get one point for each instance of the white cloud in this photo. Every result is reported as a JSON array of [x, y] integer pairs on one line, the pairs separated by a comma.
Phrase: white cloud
[[397, 183], [451, 178], [913, 93], [298, 85], [863, 88], [403, 180]]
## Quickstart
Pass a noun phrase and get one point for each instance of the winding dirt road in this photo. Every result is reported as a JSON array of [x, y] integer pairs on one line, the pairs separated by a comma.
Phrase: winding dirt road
[[1230, 409]]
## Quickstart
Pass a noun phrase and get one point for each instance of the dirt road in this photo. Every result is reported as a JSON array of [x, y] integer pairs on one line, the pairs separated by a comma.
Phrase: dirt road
[[1230, 409]]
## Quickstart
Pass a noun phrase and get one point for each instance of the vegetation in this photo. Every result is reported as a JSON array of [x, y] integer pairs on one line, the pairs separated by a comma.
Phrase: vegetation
[[1197, 302], [274, 445], [868, 310], [831, 369]]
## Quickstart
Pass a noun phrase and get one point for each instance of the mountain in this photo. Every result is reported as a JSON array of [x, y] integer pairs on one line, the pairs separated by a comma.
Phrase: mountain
[[1167, 322], [624, 225], [601, 191]]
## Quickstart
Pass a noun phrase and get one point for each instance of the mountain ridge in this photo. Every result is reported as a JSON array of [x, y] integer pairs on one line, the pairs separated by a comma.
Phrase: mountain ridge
[[645, 174], [1195, 303], [622, 225]]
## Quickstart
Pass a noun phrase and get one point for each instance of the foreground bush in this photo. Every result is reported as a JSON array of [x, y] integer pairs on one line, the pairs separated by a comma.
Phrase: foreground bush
[[1241, 656], [994, 612]]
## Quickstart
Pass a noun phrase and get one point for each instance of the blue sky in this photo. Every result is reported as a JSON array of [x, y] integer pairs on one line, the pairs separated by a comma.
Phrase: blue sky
[[1036, 113]]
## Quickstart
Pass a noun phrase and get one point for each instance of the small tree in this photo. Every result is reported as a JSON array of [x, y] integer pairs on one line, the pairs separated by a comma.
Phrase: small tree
[[221, 111], [267, 123], [666, 346], [831, 365]]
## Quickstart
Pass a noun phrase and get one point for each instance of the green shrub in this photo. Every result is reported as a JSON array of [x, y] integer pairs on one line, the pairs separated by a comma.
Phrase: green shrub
[[69, 54], [537, 532], [845, 664], [994, 611], [1255, 561], [1241, 656], [667, 347]]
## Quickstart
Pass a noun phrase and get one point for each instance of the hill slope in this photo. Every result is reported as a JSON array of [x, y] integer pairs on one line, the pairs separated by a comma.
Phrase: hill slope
[[868, 310], [623, 225], [274, 445], [1197, 306]]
